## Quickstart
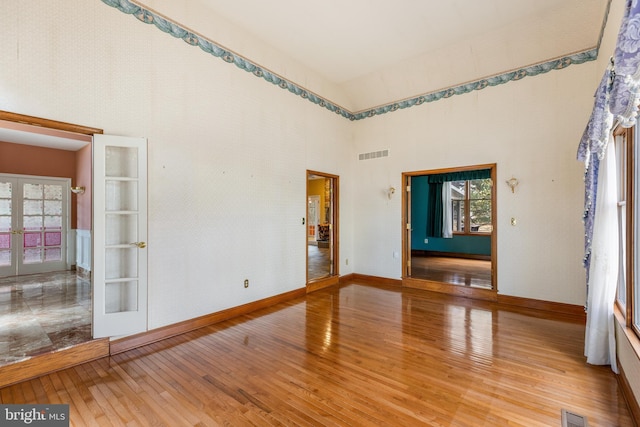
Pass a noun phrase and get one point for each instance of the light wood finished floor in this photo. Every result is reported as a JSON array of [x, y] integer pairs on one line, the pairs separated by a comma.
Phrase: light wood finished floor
[[355, 355], [456, 271]]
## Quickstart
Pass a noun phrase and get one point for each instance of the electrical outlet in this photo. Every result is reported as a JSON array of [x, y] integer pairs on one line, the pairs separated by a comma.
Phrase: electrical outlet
[[246, 283], [426, 240]]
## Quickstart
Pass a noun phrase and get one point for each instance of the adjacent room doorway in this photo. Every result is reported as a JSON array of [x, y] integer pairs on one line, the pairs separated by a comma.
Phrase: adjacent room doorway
[[450, 231], [322, 230]]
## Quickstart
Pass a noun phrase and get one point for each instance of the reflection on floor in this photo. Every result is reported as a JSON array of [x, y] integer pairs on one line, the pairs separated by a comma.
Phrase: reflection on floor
[[40, 313], [457, 271], [319, 262]]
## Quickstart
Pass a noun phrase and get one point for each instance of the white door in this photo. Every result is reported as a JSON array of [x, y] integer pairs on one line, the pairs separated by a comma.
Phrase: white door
[[312, 221], [33, 224], [119, 235]]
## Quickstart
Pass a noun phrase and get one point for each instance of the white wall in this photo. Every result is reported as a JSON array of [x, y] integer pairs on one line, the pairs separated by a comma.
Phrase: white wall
[[228, 152], [530, 129]]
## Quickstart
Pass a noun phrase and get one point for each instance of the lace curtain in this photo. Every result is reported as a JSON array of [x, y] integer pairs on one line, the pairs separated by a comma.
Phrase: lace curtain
[[616, 101]]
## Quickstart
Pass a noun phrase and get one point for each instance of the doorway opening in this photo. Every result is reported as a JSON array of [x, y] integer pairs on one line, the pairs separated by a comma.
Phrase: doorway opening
[[449, 231], [322, 230], [45, 218]]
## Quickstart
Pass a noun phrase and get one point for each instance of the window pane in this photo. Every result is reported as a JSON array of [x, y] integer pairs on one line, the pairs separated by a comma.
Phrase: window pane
[[32, 207], [52, 207], [621, 184], [52, 254], [32, 191], [5, 206], [32, 222], [457, 199], [31, 256], [53, 192], [5, 190], [122, 162], [458, 190], [5, 223], [53, 239], [480, 205], [5, 241], [5, 258], [32, 240], [480, 211], [635, 315], [480, 189], [458, 215]]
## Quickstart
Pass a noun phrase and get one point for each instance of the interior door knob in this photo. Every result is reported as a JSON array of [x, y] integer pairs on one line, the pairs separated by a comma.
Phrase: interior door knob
[[140, 245]]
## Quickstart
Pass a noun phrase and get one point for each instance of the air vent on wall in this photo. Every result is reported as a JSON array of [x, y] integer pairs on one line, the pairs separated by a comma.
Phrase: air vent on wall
[[373, 155], [569, 419]]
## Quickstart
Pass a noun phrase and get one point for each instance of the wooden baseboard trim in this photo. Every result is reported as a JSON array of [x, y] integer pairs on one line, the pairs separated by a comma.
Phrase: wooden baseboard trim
[[423, 253], [322, 283], [370, 280], [53, 361], [570, 311], [449, 289], [627, 393], [144, 338]]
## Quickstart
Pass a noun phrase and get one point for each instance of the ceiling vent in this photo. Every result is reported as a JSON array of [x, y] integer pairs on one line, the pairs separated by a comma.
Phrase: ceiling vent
[[569, 419], [373, 155]]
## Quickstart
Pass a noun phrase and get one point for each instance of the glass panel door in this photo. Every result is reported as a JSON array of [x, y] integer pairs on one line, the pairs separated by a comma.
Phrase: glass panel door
[[33, 224], [120, 257], [8, 233], [43, 230]]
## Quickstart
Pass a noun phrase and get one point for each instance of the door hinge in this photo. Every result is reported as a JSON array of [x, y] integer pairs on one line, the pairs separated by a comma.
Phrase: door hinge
[[408, 188], [408, 226]]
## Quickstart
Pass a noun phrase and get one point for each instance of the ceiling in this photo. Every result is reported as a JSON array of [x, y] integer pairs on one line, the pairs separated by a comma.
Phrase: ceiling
[[20, 133], [344, 40], [378, 51]]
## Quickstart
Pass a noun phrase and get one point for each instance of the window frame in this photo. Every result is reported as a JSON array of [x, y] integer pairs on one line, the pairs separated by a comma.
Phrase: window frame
[[466, 231], [629, 178]]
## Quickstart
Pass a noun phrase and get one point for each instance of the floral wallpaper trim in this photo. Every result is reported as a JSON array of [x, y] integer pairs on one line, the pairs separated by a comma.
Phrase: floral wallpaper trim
[[210, 47]]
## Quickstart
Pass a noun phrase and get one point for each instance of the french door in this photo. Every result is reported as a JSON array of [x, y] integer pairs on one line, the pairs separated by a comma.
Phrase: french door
[[33, 224], [119, 235]]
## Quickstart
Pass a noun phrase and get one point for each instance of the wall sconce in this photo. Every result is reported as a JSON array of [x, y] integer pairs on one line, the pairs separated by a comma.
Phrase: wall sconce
[[512, 183], [390, 192], [77, 190]]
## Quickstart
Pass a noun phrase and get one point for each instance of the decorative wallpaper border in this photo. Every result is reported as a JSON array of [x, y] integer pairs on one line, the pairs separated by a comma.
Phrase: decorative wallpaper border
[[210, 47]]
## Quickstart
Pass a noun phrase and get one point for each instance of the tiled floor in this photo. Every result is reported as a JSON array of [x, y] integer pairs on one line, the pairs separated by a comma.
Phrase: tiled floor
[[43, 312], [319, 263]]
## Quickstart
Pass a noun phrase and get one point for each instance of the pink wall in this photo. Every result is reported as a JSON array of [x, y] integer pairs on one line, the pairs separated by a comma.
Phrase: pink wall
[[30, 160], [83, 179]]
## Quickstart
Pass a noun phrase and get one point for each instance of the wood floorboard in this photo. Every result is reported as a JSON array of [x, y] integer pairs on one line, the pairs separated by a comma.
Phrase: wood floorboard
[[347, 356]]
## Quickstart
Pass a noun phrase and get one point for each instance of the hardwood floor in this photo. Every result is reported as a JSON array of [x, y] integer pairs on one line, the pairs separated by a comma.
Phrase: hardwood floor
[[457, 271], [350, 355]]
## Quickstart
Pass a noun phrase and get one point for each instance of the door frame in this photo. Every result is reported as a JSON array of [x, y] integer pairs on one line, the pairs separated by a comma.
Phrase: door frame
[[334, 278], [447, 288]]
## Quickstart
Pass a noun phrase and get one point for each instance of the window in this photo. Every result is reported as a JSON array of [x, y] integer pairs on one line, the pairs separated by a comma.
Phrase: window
[[627, 147], [471, 206]]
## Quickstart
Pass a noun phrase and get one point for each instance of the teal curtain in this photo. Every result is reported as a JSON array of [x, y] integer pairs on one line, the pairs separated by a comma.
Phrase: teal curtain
[[434, 208], [460, 176]]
